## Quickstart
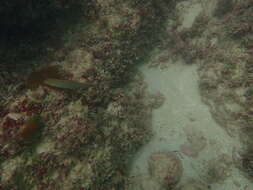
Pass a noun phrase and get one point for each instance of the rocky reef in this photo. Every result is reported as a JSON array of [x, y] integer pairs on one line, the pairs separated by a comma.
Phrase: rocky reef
[[72, 106]]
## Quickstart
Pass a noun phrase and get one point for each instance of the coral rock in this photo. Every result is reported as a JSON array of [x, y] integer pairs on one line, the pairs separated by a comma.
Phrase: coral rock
[[165, 168], [193, 185]]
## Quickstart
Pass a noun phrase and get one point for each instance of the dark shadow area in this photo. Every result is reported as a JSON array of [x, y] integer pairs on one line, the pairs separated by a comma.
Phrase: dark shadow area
[[29, 29]]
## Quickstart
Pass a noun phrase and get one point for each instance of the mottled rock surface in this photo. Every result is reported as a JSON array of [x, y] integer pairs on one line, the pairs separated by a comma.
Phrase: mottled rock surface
[[165, 168]]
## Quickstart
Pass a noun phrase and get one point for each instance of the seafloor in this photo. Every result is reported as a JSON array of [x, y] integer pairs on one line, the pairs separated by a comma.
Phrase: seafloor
[[128, 94]]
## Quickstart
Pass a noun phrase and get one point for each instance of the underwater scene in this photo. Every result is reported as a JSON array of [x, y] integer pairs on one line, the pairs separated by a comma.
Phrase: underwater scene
[[126, 95]]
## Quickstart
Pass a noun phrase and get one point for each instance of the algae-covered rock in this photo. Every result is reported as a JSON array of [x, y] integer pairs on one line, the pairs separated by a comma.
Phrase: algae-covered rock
[[223, 7], [193, 185], [89, 137], [219, 169], [165, 168]]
